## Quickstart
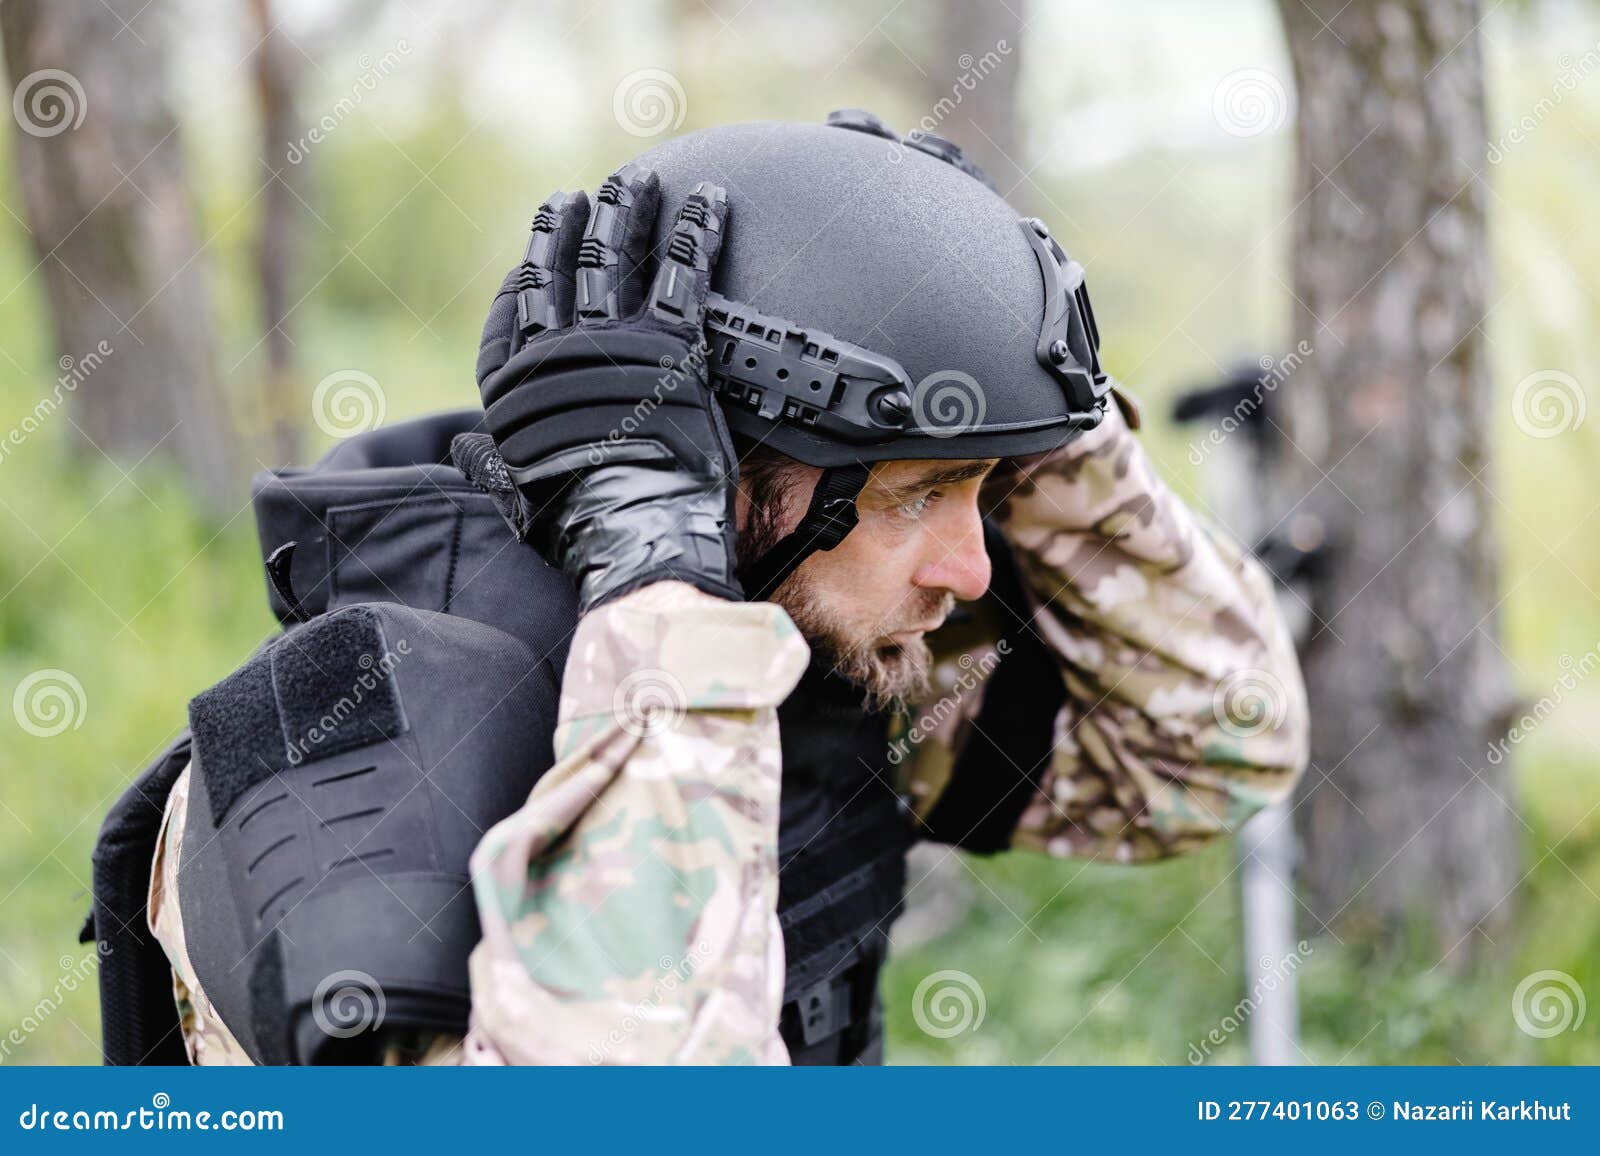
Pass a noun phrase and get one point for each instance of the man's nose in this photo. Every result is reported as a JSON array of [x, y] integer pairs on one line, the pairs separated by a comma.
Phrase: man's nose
[[957, 560]]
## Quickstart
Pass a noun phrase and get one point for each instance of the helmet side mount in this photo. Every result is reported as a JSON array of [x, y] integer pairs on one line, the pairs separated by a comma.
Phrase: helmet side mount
[[805, 377], [1069, 340]]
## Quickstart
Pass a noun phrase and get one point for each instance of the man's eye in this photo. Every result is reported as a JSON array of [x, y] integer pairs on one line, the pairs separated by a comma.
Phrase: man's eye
[[917, 506]]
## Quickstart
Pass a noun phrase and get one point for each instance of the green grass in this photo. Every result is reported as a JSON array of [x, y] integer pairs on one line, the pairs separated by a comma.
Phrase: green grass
[[1140, 964]]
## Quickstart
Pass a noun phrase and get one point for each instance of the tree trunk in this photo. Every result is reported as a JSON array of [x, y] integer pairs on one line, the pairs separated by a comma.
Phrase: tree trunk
[[104, 189], [276, 69], [970, 84], [1406, 819]]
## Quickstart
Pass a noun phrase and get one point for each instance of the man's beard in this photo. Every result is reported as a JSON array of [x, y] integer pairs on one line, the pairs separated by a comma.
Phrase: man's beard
[[889, 672]]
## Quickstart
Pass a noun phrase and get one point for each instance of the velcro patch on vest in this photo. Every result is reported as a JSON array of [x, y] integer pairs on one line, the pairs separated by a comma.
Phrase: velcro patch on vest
[[325, 687]]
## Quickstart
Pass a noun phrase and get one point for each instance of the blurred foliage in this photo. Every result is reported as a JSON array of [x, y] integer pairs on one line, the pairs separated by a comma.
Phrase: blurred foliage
[[410, 223], [1087, 963]]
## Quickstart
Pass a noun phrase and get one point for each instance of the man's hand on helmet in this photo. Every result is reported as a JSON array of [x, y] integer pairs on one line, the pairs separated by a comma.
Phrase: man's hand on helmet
[[592, 370]]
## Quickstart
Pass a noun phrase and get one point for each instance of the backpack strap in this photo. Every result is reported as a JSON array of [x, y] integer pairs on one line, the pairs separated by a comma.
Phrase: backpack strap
[[139, 1021]]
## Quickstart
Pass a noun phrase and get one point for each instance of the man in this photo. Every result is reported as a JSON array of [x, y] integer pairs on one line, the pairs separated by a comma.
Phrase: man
[[994, 629]]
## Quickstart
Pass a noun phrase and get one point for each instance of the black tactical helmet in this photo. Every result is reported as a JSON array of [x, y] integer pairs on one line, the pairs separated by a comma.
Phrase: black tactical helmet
[[881, 300], [876, 299]]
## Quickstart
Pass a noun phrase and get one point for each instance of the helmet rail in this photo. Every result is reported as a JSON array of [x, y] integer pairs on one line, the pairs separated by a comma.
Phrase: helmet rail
[[780, 371]]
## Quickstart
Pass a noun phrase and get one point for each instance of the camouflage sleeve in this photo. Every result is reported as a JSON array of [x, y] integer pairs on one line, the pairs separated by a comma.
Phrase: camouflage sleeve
[[629, 908], [205, 1037], [1183, 710]]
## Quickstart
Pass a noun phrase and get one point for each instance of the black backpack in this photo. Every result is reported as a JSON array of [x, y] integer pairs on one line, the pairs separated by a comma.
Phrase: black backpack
[[384, 521]]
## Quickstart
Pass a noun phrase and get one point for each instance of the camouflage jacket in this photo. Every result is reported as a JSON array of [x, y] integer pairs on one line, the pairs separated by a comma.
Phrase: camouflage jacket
[[629, 908]]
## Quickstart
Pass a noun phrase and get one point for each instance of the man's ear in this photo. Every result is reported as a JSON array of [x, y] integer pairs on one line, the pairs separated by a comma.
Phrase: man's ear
[[741, 508], [802, 482], [771, 497]]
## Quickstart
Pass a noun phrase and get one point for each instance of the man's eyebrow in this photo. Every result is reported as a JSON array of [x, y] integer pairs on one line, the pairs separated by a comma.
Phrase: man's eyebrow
[[943, 475]]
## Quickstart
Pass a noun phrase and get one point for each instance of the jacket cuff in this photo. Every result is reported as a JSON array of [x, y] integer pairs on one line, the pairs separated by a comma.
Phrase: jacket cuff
[[668, 648]]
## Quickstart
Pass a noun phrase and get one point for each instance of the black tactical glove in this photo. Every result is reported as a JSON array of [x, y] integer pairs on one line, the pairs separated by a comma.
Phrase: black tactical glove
[[594, 386]]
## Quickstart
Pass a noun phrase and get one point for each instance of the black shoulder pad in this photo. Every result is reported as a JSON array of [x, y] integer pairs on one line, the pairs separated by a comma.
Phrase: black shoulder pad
[[350, 769]]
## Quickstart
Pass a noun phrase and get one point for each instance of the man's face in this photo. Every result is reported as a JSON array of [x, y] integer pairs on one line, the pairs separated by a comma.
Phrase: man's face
[[867, 604]]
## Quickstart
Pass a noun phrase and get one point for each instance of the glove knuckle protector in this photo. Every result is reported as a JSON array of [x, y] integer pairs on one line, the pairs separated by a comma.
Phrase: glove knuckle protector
[[607, 425]]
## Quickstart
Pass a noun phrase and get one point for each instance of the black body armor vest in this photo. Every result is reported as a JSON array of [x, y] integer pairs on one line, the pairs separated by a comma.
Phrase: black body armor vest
[[384, 518]]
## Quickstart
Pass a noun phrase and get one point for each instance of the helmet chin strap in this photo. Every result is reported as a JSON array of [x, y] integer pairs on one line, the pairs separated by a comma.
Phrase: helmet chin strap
[[829, 517]]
